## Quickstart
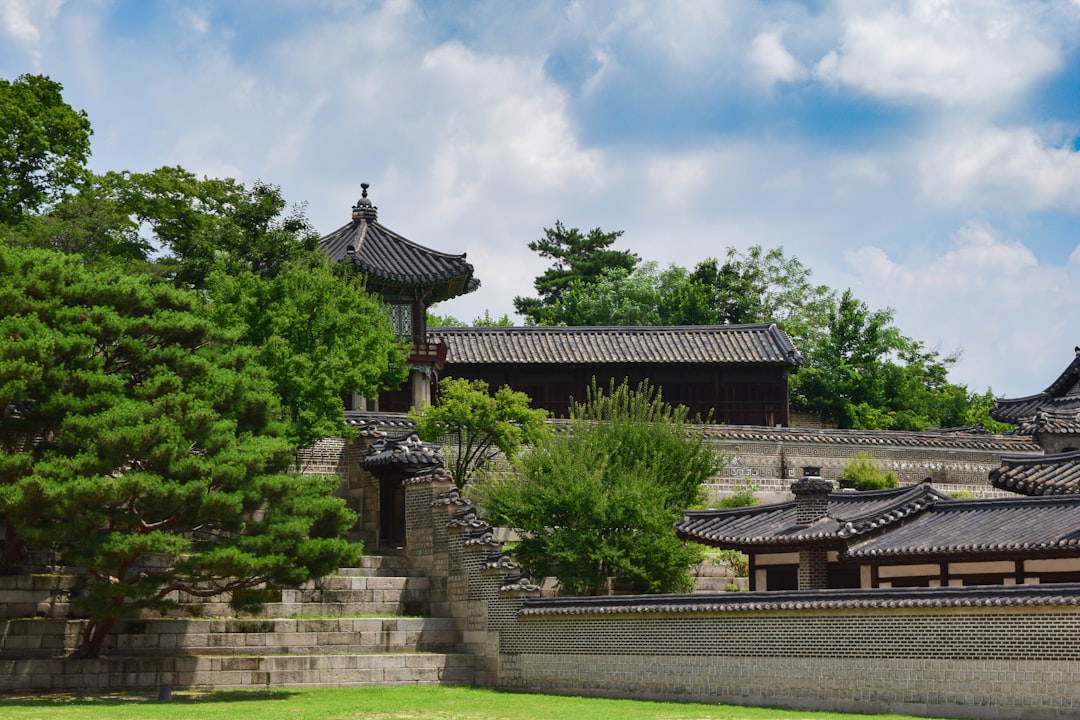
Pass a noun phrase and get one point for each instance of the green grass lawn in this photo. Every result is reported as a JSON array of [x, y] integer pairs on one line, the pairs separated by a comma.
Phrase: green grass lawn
[[382, 703]]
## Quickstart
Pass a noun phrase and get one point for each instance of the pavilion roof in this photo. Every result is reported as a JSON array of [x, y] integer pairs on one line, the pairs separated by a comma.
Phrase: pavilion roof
[[394, 264]]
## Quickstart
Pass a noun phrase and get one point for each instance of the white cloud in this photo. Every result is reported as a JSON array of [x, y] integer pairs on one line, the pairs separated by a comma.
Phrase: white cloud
[[986, 166], [990, 297], [772, 60], [976, 55], [24, 20]]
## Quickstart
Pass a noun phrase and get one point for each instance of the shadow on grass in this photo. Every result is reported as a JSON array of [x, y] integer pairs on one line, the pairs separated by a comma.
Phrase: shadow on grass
[[179, 697]]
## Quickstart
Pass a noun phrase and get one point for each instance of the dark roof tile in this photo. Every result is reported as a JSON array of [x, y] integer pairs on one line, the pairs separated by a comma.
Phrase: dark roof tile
[[1049, 595], [997, 525], [1062, 395], [717, 344], [848, 514], [390, 260], [1043, 475]]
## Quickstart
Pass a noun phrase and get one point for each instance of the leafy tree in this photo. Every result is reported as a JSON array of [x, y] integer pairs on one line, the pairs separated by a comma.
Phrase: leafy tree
[[196, 225], [143, 445], [319, 335], [577, 257], [761, 286], [861, 371], [601, 499], [481, 425], [44, 146]]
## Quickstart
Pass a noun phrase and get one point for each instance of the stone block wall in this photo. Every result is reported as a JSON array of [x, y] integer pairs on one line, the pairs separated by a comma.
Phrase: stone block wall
[[769, 459]]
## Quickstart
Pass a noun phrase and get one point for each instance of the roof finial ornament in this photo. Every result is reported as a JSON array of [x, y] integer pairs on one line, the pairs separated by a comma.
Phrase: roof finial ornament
[[363, 209]]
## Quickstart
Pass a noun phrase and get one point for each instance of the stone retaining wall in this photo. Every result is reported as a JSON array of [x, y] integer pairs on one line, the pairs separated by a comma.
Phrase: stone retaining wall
[[248, 672]]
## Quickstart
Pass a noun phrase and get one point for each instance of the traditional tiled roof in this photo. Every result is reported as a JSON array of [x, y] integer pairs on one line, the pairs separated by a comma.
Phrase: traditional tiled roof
[[1043, 475], [1062, 398], [392, 261], [379, 422], [716, 344], [398, 423], [989, 526], [868, 439], [1048, 595], [1060, 416], [408, 451], [774, 526]]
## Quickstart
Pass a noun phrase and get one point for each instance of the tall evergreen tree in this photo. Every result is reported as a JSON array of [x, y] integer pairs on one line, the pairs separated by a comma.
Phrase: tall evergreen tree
[[145, 446]]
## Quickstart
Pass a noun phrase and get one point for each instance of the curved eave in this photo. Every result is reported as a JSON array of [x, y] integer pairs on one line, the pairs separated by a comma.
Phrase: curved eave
[[393, 263]]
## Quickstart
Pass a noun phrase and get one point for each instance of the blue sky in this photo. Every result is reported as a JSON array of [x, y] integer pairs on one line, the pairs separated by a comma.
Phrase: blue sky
[[925, 154]]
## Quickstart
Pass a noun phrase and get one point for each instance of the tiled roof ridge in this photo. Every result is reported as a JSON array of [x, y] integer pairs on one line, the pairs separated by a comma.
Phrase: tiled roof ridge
[[568, 329], [1047, 595], [1067, 379], [918, 498], [1050, 459], [884, 438], [868, 437]]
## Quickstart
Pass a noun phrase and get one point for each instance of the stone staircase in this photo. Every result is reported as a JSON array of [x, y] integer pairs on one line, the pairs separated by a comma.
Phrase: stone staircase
[[712, 577], [366, 625]]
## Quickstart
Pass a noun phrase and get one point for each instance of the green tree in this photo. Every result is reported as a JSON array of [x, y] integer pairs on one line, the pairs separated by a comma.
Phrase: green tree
[[861, 371], [144, 446], [319, 335], [481, 425], [577, 257], [44, 146], [189, 226], [601, 498]]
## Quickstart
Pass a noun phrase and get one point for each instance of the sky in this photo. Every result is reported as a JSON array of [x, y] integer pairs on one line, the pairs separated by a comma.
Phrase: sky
[[924, 154]]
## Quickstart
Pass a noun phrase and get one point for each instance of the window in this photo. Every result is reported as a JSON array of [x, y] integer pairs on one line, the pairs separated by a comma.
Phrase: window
[[401, 319]]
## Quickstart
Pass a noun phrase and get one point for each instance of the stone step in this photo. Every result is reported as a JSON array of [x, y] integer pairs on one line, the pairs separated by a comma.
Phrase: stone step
[[720, 584]]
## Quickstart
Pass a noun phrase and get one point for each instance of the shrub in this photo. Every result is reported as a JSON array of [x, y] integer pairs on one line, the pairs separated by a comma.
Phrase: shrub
[[865, 474], [743, 497]]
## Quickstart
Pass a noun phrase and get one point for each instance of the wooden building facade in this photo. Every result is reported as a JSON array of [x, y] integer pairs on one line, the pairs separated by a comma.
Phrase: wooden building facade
[[732, 374]]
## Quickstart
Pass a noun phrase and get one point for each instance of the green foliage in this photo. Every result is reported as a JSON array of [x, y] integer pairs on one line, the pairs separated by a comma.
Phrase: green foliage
[[600, 499], [577, 258], [746, 496], [862, 372], [865, 474], [485, 320], [134, 430], [482, 425], [739, 563], [305, 322], [44, 146]]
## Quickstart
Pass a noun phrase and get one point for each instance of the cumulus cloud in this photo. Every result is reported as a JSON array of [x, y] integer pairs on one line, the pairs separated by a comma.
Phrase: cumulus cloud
[[985, 295], [1008, 167], [977, 55], [774, 63]]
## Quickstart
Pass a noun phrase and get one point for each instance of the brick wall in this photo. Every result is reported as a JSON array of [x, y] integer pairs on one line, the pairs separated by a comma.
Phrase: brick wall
[[998, 653]]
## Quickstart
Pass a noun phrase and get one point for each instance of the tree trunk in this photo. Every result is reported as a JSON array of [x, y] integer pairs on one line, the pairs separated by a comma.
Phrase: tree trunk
[[14, 556], [93, 638]]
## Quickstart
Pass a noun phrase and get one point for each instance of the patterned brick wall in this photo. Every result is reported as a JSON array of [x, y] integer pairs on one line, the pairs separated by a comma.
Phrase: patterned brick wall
[[1001, 657]]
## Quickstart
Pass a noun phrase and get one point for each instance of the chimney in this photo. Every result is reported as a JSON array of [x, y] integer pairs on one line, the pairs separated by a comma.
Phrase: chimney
[[811, 499]]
